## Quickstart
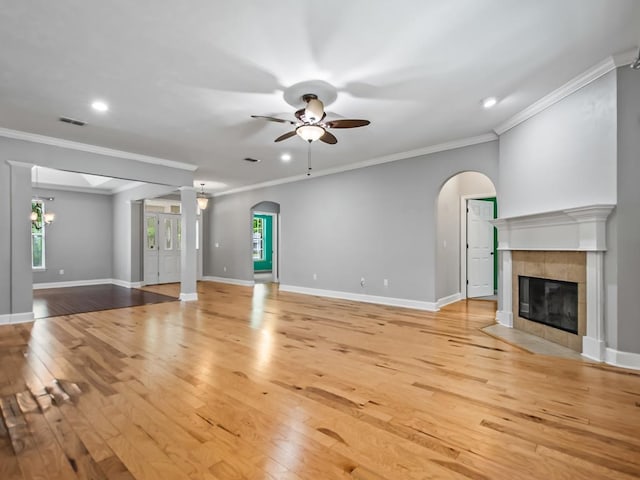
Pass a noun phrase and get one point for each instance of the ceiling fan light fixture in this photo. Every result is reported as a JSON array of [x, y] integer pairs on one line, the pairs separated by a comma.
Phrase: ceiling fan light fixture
[[310, 133], [314, 111]]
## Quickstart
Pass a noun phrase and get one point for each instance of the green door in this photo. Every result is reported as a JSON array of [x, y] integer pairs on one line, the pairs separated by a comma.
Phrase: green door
[[262, 243]]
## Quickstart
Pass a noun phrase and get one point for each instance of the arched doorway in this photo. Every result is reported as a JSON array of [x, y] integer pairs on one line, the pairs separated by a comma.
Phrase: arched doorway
[[466, 260], [265, 241]]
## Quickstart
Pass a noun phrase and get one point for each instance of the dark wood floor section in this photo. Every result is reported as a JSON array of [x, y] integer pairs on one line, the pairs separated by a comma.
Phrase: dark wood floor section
[[53, 302], [257, 384]]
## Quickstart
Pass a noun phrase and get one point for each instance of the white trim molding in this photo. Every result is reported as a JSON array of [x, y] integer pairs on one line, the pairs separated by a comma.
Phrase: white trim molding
[[441, 147], [623, 359], [504, 318], [15, 318], [125, 284], [580, 229], [360, 297], [231, 281], [85, 147], [74, 283], [585, 78], [449, 299], [188, 297]]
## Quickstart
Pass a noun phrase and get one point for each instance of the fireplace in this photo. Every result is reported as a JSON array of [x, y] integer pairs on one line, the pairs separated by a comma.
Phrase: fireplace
[[550, 302]]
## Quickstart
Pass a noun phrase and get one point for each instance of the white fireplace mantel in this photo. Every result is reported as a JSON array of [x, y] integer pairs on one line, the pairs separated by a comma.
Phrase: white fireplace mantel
[[576, 229]]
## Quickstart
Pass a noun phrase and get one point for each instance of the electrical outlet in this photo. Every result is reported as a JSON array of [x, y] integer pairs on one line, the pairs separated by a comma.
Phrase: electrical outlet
[[385, 282], [362, 283], [225, 268], [61, 272], [315, 276], [217, 245]]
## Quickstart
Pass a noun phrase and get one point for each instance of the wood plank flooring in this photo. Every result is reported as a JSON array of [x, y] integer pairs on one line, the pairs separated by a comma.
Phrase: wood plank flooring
[[253, 383], [53, 302]]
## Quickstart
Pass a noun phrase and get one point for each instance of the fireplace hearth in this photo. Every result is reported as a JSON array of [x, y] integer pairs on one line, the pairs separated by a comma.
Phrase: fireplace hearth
[[550, 302]]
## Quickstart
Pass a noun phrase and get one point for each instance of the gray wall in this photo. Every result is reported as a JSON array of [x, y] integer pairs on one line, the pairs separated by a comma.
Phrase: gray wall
[[448, 225], [80, 239], [377, 222], [564, 156], [18, 276], [628, 210]]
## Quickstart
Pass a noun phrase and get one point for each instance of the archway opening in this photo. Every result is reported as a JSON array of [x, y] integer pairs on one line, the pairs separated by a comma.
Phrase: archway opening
[[265, 241], [466, 256]]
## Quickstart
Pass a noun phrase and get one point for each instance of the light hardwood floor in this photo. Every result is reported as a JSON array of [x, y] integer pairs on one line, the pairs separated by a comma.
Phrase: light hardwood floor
[[257, 384]]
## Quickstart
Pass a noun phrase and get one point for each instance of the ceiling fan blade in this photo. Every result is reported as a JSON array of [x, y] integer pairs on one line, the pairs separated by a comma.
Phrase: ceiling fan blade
[[285, 136], [329, 138], [273, 119], [347, 123]]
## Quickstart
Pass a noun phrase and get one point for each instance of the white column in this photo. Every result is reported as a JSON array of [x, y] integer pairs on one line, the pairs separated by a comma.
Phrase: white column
[[504, 314], [593, 343], [188, 258]]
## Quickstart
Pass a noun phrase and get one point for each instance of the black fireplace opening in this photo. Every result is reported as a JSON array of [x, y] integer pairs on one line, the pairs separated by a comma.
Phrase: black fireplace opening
[[550, 302]]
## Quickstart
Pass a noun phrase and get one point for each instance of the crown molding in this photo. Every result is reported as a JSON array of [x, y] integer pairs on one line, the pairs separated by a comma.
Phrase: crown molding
[[441, 147], [85, 147], [585, 78]]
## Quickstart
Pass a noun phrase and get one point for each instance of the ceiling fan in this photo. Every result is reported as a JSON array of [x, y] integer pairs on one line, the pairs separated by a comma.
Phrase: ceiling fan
[[311, 125]]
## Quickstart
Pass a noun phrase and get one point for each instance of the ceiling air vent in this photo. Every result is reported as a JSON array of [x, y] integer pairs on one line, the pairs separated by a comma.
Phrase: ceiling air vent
[[72, 121], [252, 160]]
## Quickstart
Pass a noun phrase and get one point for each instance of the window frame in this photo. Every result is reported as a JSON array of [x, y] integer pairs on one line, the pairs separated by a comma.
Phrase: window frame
[[41, 233]]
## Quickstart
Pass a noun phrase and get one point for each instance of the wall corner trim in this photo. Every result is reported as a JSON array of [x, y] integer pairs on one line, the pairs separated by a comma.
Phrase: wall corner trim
[[622, 359], [188, 297], [360, 297], [456, 297], [231, 281], [573, 85], [15, 318], [504, 318]]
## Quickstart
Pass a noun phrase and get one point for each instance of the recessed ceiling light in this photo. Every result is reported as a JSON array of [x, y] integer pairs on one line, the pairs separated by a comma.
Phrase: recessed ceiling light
[[285, 157], [489, 102], [100, 106]]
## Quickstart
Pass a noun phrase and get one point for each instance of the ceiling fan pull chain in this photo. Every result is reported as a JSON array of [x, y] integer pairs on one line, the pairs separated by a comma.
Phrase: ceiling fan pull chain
[[309, 159]]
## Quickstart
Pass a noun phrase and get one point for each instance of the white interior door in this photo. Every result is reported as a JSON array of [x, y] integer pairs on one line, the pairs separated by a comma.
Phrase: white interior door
[[479, 248], [169, 239], [151, 248]]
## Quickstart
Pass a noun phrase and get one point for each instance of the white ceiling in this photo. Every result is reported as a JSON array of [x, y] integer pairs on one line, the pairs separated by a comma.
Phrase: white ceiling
[[183, 78]]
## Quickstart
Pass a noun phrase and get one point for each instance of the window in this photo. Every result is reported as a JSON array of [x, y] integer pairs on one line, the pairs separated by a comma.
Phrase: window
[[258, 238], [37, 235]]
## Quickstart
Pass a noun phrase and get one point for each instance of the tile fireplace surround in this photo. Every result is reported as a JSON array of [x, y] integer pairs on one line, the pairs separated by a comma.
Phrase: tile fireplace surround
[[562, 245]]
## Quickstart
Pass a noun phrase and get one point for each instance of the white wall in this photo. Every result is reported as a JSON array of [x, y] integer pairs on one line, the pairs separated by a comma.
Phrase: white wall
[[377, 222], [564, 156], [449, 227]]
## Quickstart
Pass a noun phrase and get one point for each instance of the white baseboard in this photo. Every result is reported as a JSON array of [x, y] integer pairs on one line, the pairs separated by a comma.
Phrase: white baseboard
[[125, 284], [232, 281], [504, 318], [456, 297], [360, 297], [86, 283], [13, 318], [622, 359], [593, 349], [73, 283], [188, 297]]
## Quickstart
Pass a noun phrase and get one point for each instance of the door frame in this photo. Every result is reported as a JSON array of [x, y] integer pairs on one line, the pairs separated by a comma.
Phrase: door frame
[[463, 237], [275, 241]]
